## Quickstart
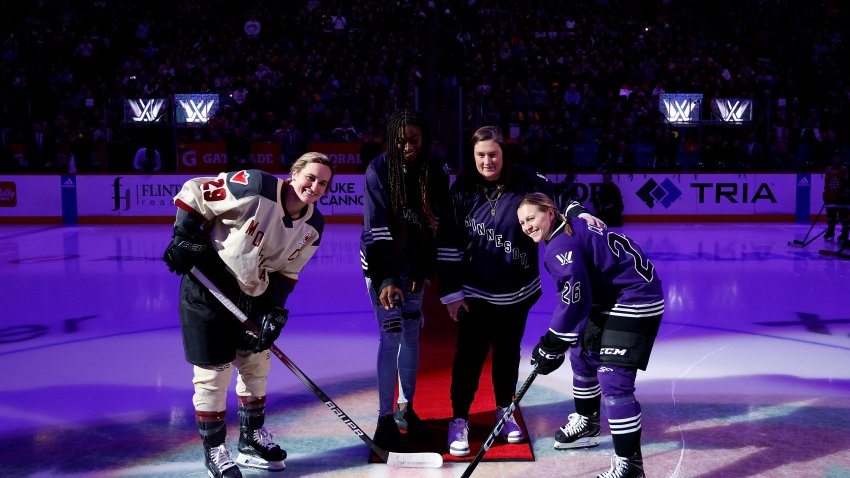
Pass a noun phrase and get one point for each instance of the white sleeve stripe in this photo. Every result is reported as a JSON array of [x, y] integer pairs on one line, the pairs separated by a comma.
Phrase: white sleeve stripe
[[565, 336], [534, 285], [449, 254]]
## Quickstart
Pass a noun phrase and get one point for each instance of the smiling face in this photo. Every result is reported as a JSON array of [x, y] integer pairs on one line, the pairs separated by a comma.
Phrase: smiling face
[[535, 223], [488, 159], [410, 143], [309, 183]]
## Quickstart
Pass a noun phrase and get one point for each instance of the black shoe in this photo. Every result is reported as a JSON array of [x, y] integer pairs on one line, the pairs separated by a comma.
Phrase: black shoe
[[258, 450], [407, 419], [219, 462], [388, 437]]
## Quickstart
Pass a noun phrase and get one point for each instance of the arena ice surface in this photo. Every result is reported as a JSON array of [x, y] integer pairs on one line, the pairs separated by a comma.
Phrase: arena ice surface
[[749, 376]]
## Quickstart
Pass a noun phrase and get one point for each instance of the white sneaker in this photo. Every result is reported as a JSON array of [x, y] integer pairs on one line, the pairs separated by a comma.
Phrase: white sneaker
[[511, 432], [458, 437]]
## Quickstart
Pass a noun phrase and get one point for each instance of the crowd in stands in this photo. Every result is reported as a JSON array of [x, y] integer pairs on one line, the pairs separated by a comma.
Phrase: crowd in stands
[[574, 84]]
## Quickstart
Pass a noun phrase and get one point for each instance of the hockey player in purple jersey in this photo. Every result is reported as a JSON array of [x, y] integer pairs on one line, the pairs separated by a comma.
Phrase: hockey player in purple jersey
[[608, 313], [251, 233]]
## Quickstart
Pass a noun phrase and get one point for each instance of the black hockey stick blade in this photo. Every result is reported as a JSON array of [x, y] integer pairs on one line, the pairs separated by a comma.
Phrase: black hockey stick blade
[[501, 423], [839, 253], [805, 242], [408, 460]]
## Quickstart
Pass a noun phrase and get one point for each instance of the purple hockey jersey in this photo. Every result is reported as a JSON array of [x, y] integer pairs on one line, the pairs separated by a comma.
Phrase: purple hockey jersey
[[600, 269]]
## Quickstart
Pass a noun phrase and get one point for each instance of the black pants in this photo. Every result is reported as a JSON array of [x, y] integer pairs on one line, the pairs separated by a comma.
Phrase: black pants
[[834, 214], [486, 325]]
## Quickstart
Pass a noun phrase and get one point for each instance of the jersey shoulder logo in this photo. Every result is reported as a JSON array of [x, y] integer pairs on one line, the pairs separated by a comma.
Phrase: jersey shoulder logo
[[565, 258], [240, 178]]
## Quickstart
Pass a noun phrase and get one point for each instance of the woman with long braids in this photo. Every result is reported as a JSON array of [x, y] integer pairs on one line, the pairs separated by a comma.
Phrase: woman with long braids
[[405, 192]]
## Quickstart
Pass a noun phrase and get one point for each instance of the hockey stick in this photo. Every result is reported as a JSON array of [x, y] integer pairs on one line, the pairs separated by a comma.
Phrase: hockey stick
[[501, 423], [839, 253], [806, 241], [409, 460]]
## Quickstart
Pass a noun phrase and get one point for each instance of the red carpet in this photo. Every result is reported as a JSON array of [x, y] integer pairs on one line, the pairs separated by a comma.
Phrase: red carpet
[[433, 403]]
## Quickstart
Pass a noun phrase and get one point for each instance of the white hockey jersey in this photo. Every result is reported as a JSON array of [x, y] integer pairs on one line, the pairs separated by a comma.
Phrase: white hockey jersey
[[248, 226]]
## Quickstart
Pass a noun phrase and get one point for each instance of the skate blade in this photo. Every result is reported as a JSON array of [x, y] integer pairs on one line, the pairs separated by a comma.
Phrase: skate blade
[[586, 442], [259, 463]]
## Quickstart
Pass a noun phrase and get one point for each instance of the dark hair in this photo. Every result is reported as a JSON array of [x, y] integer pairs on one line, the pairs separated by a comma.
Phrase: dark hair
[[395, 162], [487, 133]]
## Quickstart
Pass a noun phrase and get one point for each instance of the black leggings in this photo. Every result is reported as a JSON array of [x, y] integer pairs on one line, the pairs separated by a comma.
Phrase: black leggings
[[486, 325], [837, 213]]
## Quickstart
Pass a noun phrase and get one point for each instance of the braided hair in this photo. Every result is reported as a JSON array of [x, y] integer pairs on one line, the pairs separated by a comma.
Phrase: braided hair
[[395, 163]]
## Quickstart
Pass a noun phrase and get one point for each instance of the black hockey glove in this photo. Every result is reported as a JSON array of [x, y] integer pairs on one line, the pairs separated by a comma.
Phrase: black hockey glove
[[548, 354], [269, 329], [184, 252], [249, 341]]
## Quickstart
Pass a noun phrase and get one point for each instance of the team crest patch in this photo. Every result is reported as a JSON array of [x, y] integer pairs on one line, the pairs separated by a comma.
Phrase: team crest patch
[[241, 177], [565, 258], [305, 239]]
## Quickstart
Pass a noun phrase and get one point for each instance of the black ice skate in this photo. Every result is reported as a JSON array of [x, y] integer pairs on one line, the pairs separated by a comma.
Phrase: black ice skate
[[258, 450], [621, 467], [579, 432], [407, 419], [388, 437], [219, 462], [830, 234]]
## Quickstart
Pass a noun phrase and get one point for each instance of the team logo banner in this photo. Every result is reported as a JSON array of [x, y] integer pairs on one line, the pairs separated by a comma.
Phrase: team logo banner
[[733, 110], [195, 109], [146, 110], [680, 108]]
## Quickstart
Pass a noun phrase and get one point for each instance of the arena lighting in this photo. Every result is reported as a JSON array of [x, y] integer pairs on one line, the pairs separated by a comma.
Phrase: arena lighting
[[733, 110], [146, 110], [680, 108], [195, 109]]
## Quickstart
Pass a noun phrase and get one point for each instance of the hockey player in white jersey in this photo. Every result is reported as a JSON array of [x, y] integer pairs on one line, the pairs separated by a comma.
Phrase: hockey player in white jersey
[[251, 233]]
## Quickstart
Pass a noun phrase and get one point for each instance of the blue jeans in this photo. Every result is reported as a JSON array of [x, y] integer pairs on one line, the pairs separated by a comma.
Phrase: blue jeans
[[398, 350]]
